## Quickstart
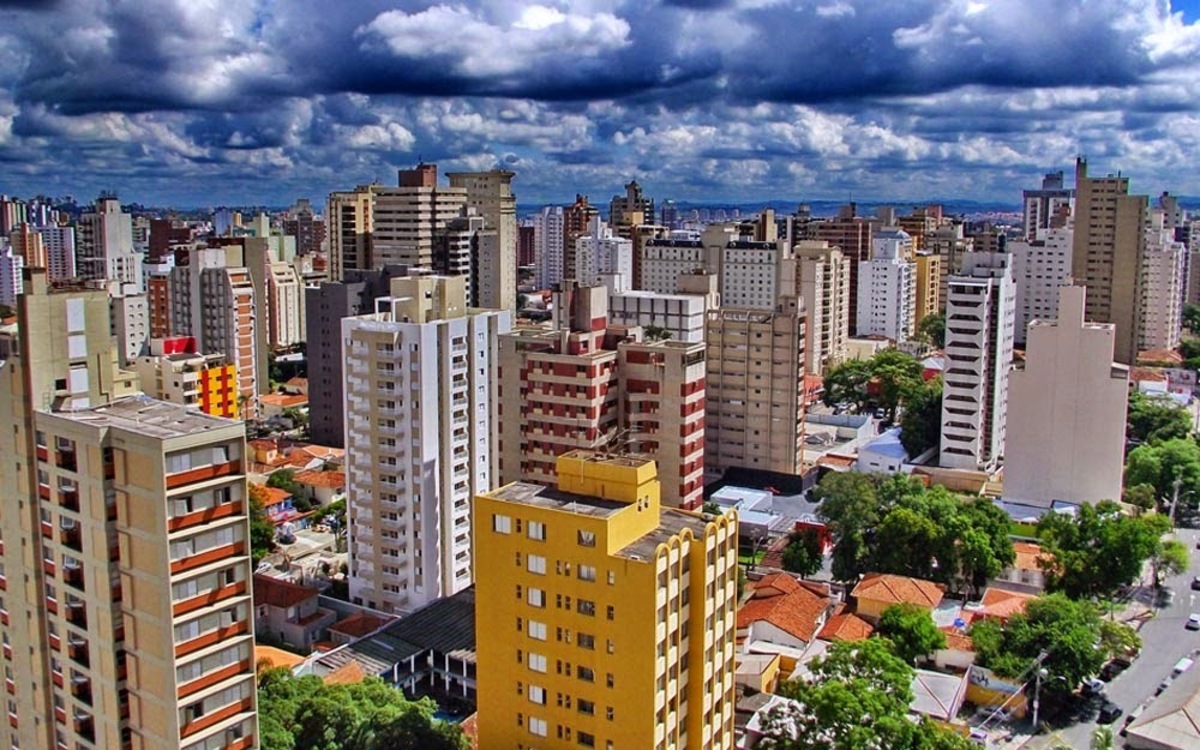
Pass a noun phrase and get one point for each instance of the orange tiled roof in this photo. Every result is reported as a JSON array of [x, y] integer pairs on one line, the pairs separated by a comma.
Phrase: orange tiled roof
[[792, 608], [1147, 374], [830, 459], [283, 400], [1002, 604], [894, 589], [275, 496], [332, 479], [1027, 555], [349, 673], [1159, 355], [276, 592], [298, 382], [276, 657], [846, 626], [264, 444], [358, 625], [957, 640]]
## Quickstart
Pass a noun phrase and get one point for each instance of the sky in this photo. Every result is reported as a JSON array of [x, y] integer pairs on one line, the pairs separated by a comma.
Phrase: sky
[[214, 102]]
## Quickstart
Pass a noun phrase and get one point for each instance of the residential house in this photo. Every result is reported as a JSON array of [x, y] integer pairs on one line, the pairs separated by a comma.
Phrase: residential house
[[275, 404], [845, 625], [356, 626], [783, 610], [938, 695], [322, 487], [1025, 574], [289, 612], [878, 591]]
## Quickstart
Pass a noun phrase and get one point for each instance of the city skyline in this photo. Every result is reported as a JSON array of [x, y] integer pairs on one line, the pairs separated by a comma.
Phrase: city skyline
[[733, 101]]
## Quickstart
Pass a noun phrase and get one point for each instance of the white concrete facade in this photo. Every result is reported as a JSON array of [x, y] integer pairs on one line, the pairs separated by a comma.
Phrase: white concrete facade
[[599, 253], [548, 246], [104, 245], [420, 416], [980, 320], [887, 289], [681, 315], [1040, 267], [1160, 303], [11, 281], [823, 282], [1066, 415], [59, 243]]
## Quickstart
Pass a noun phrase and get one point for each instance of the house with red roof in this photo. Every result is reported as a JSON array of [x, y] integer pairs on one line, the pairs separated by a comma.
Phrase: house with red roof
[[322, 487], [289, 612], [878, 591], [845, 625], [784, 611]]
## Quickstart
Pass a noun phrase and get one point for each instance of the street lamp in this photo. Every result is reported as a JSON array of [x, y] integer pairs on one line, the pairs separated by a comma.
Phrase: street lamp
[[1041, 674]]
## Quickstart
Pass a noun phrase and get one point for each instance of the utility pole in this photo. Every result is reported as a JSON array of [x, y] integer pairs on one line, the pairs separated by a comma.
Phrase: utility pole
[[1175, 497], [1038, 674]]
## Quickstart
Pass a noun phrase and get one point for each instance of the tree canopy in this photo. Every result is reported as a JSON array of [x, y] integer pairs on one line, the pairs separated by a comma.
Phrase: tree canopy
[[921, 423], [911, 631], [1158, 465], [262, 531], [932, 329], [882, 381], [803, 554], [1097, 550], [895, 525], [859, 698], [1155, 420], [1191, 318], [303, 713], [1062, 632]]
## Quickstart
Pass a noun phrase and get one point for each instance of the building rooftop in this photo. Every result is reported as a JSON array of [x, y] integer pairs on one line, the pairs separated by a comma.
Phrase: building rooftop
[[538, 496], [895, 589], [150, 417], [888, 444], [276, 592], [846, 626], [670, 523]]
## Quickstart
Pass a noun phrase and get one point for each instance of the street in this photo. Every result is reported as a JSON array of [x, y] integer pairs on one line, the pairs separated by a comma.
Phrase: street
[[1164, 642]]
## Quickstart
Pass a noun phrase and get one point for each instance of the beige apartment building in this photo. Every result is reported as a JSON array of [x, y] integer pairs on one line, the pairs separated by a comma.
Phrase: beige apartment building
[[490, 194], [754, 415], [823, 284], [1066, 411], [929, 275], [348, 218], [125, 614], [1107, 256]]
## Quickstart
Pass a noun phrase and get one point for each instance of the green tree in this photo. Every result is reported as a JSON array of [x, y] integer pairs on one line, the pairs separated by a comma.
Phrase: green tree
[[6, 312], [1191, 318], [803, 554], [712, 508], [894, 374], [1060, 631], [932, 329], [911, 631], [1118, 639], [285, 479], [1170, 559], [850, 507], [1161, 464], [262, 531], [656, 333], [848, 382], [1154, 420], [921, 423], [1098, 550], [1102, 739], [1141, 496]]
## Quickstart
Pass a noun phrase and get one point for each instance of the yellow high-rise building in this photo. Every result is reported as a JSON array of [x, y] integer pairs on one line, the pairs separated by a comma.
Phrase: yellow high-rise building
[[608, 621], [929, 274]]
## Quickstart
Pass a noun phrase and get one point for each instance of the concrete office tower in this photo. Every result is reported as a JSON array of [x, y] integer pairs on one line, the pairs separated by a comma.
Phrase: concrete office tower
[[305, 226], [420, 439], [950, 245], [563, 387], [754, 415], [852, 235], [603, 561], [104, 244], [1042, 206], [599, 253], [823, 284], [1109, 243], [215, 302], [548, 245], [325, 305], [1162, 286], [1066, 411], [887, 288], [12, 267], [929, 272], [490, 194], [980, 318], [349, 231], [1041, 266], [130, 320], [59, 244], [90, 486]]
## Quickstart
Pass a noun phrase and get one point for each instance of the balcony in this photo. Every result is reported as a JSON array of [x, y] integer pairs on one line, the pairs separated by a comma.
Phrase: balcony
[[81, 689], [73, 577], [85, 726], [77, 614], [66, 460], [71, 537], [68, 498], [77, 650]]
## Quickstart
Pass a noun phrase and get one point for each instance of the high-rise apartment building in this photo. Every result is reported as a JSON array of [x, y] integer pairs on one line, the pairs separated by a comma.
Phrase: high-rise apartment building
[[1160, 307], [126, 525], [755, 274], [12, 267], [305, 226], [27, 242], [852, 235], [1041, 207], [576, 218], [980, 318], [680, 317], [1066, 411], [887, 288], [665, 261], [173, 371], [823, 284], [490, 194], [325, 306], [929, 274], [420, 423], [104, 244], [611, 620], [1109, 243], [599, 252], [548, 245], [526, 254], [406, 219], [1041, 266], [59, 244], [621, 208], [350, 220], [563, 387], [754, 409], [129, 311]]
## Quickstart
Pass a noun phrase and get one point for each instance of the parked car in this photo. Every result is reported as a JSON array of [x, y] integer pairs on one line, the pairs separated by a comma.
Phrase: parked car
[[1196, 583], [1108, 713], [1091, 687], [1113, 668], [1193, 622]]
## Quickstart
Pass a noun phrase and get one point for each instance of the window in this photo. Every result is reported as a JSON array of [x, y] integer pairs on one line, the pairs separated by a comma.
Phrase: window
[[586, 739], [536, 598], [537, 630], [586, 707], [537, 662], [537, 726], [587, 573], [536, 564], [537, 695], [586, 641], [585, 607], [501, 524], [586, 674], [612, 612], [537, 531], [586, 539]]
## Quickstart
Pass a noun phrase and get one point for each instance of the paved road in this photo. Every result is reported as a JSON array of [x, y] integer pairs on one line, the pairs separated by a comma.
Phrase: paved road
[[1164, 642]]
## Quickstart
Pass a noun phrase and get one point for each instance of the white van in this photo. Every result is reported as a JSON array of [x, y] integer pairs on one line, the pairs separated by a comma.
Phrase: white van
[[1182, 666]]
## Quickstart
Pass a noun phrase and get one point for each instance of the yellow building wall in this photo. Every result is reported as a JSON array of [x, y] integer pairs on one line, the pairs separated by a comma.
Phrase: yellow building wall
[[218, 391]]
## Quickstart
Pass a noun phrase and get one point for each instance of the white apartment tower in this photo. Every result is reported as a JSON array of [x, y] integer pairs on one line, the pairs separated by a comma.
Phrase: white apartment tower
[[755, 274], [548, 246], [490, 194], [887, 288], [420, 416], [1041, 266], [12, 267], [823, 283], [59, 243], [104, 244], [599, 253], [1066, 411], [1163, 269], [980, 317]]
